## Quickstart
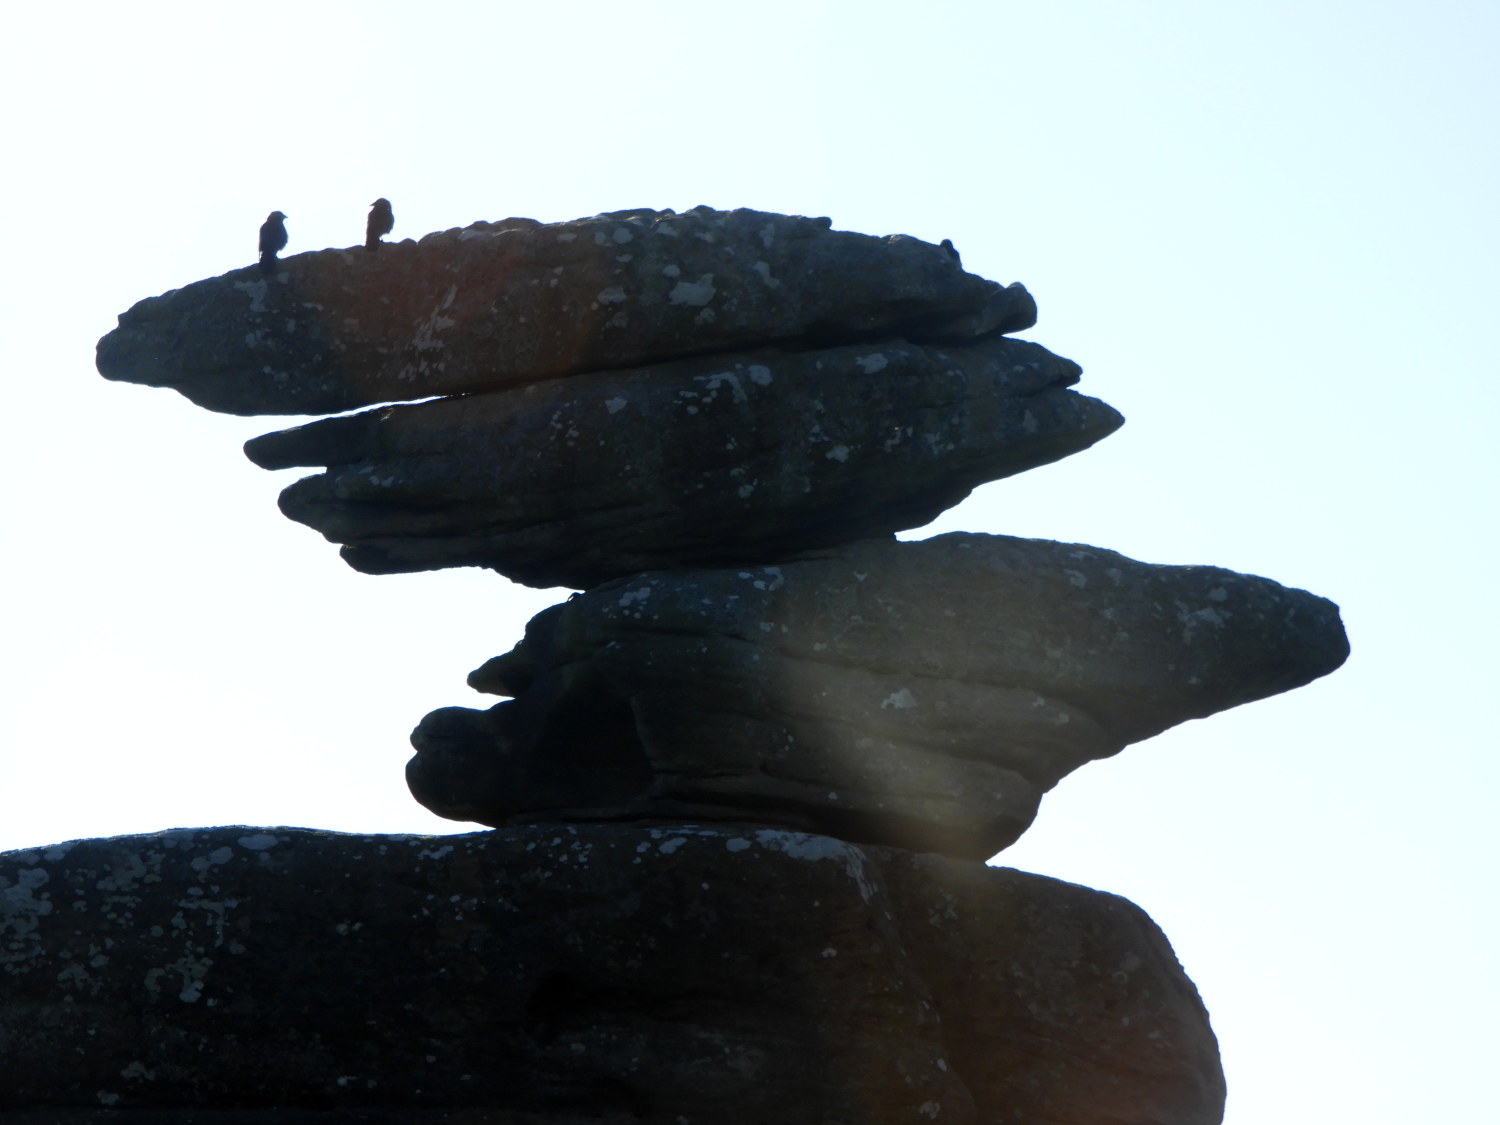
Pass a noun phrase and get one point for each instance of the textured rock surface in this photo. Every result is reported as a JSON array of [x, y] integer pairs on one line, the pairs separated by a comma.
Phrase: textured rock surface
[[711, 460], [497, 304], [673, 974], [918, 694]]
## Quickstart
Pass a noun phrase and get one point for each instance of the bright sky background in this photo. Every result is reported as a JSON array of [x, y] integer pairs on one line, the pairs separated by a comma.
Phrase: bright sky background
[[1268, 232]]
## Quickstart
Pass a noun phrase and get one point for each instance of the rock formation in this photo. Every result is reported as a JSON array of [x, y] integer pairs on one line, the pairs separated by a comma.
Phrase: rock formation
[[745, 777], [712, 975], [922, 695]]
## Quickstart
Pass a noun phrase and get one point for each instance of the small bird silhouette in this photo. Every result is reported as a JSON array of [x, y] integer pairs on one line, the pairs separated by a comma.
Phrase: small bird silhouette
[[947, 244], [272, 238], [382, 219]]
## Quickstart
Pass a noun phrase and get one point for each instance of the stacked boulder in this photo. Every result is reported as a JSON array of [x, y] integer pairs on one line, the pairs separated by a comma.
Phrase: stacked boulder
[[759, 702]]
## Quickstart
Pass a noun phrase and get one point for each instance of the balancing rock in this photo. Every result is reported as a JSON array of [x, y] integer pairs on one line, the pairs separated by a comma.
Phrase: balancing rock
[[743, 778], [500, 304], [917, 694], [721, 459]]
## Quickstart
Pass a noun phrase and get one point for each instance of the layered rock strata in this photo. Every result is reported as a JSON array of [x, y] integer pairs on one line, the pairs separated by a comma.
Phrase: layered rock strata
[[712, 975], [745, 773]]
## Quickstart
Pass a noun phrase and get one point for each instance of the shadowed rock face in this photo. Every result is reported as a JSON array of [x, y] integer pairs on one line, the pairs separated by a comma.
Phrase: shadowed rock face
[[923, 695], [714, 460], [499, 304], [587, 973], [710, 423]]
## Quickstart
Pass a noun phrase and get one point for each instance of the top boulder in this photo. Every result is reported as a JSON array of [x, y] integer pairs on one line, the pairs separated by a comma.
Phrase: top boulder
[[500, 304]]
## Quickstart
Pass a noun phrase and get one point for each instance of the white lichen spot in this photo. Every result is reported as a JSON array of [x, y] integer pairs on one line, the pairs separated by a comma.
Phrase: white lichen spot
[[667, 847], [671, 271], [930, 1110], [800, 845], [736, 844], [1029, 423], [870, 364], [258, 842], [712, 383], [212, 859], [695, 294], [611, 296], [1076, 578], [623, 235], [745, 490], [838, 453], [632, 597], [759, 375], [256, 291], [902, 700], [436, 853], [106, 1098], [566, 236], [829, 952], [137, 1070], [774, 579], [615, 405], [764, 269], [1218, 594]]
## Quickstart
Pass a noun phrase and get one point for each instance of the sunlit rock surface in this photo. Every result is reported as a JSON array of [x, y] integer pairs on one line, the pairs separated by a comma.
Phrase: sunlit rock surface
[[922, 695], [576, 481], [555, 976], [498, 304]]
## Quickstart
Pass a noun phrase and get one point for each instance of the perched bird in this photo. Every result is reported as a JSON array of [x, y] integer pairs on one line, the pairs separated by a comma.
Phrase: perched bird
[[947, 244], [381, 221], [272, 238]]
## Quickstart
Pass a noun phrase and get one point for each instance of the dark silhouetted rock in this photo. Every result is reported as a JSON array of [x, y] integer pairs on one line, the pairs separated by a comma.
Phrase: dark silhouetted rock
[[920, 694], [711, 460], [498, 304], [550, 976]]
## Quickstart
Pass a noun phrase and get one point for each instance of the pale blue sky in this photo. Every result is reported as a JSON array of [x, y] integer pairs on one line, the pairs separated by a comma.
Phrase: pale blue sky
[[1267, 231]]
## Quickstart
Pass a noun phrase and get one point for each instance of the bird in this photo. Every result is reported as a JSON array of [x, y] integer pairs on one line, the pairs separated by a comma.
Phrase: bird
[[272, 238], [382, 219], [947, 245]]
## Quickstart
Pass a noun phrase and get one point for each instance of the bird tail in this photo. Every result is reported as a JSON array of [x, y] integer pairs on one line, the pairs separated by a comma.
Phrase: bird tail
[[372, 241], [268, 260]]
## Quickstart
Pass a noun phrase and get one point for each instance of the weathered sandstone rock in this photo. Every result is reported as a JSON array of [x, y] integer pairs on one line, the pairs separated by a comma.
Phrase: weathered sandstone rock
[[550, 976], [576, 481], [920, 694], [497, 304]]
